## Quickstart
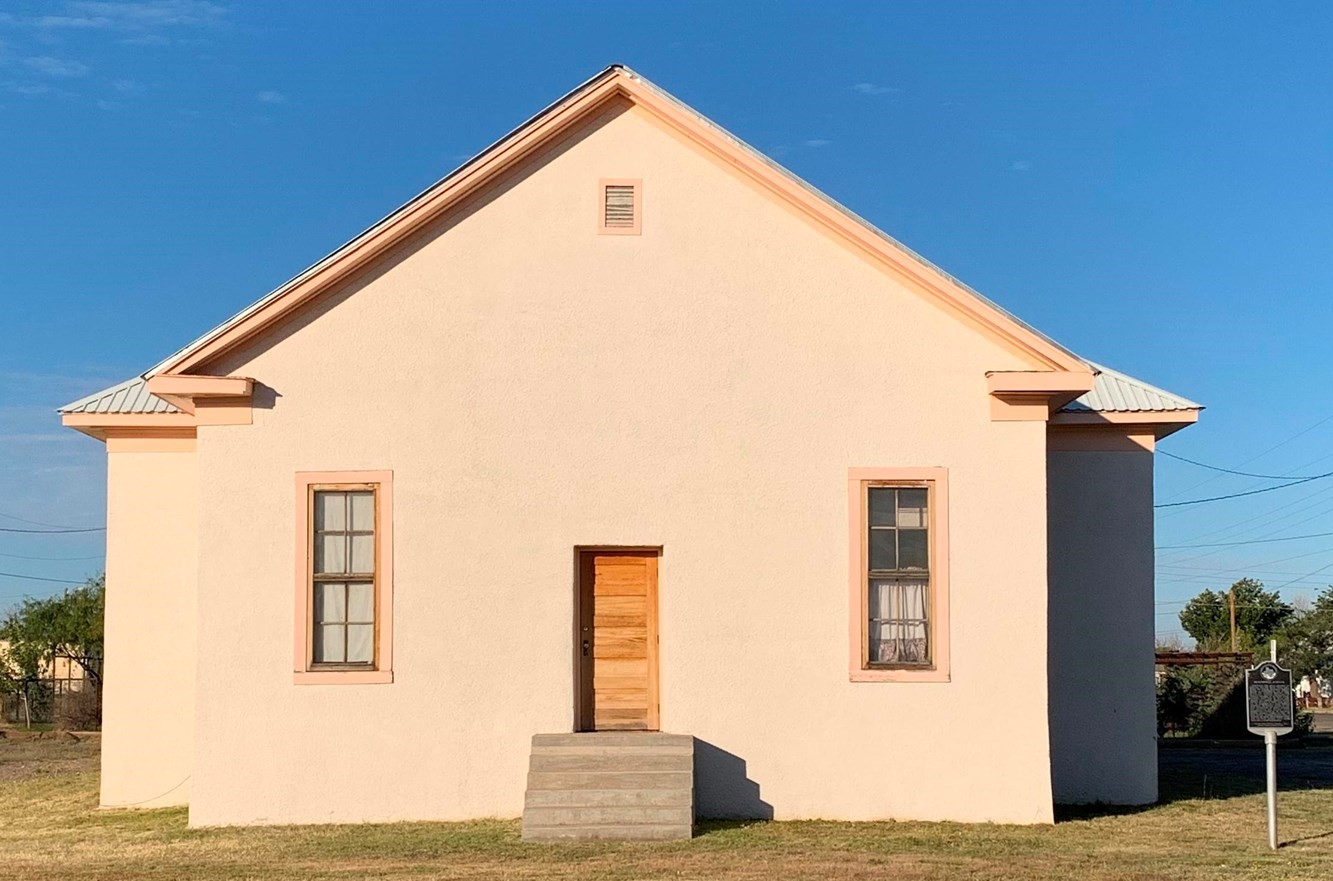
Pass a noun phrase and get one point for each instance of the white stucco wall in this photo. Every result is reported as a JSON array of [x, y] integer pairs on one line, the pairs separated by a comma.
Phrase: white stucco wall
[[148, 684], [703, 387], [1103, 704]]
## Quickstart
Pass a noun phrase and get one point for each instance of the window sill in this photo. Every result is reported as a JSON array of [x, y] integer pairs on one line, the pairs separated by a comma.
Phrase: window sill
[[899, 674], [343, 677]]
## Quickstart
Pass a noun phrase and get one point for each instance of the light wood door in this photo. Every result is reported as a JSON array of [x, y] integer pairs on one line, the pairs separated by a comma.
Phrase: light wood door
[[618, 640]]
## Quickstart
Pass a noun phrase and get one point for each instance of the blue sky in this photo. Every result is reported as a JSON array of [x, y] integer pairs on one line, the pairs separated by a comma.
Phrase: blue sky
[[1149, 184]]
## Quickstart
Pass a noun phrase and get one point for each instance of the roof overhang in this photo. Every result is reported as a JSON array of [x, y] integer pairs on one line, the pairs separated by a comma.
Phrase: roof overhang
[[1027, 395], [1085, 431], [202, 400]]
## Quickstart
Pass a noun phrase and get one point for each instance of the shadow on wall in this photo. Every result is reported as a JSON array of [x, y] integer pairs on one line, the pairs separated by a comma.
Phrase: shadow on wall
[[721, 788], [263, 397]]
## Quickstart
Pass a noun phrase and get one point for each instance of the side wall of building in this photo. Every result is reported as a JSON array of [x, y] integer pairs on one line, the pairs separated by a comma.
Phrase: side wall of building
[[703, 387], [149, 677], [1102, 700]]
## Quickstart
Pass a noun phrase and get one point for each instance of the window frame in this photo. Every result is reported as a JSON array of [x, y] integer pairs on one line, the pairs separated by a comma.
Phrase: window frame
[[935, 481], [380, 669], [636, 184]]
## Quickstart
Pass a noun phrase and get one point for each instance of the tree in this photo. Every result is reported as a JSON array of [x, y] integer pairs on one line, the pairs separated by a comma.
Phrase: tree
[[1306, 642], [1259, 614], [69, 625]]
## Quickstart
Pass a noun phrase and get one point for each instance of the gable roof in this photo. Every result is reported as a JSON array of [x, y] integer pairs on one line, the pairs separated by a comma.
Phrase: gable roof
[[130, 396], [620, 83], [1116, 392]]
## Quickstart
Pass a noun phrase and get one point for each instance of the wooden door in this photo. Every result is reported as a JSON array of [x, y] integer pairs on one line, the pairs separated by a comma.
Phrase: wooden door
[[618, 640]]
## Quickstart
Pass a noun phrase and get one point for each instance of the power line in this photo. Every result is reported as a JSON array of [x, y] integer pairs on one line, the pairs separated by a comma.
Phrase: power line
[[1230, 544], [33, 522], [40, 578], [1260, 455], [54, 559], [1253, 492], [1306, 575], [53, 531], [1317, 501], [1240, 473]]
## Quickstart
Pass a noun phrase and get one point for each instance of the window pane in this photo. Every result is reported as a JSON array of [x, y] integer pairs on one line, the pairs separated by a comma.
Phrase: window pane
[[363, 511], [363, 553], [361, 602], [882, 552], [913, 549], [360, 643], [330, 554], [330, 511], [330, 602], [329, 641], [912, 507], [881, 506], [898, 625]]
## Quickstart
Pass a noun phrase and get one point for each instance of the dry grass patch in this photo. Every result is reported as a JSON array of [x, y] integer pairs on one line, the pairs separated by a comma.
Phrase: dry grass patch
[[50, 828]]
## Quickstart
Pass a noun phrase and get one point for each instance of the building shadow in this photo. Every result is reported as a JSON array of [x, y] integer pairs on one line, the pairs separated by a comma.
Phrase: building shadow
[[1201, 769], [723, 790]]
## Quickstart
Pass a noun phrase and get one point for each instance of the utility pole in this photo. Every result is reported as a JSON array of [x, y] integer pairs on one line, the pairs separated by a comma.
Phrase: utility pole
[[1231, 596]]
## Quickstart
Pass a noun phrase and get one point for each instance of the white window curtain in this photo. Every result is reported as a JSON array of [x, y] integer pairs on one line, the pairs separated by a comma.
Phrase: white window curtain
[[899, 610]]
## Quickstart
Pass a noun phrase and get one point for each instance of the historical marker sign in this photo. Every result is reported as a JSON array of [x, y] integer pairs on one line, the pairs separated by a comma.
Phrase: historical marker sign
[[1268, 700]]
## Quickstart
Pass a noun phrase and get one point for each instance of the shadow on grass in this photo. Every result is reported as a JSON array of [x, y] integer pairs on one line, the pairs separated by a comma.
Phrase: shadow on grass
[[1187, 773], [704, 828]]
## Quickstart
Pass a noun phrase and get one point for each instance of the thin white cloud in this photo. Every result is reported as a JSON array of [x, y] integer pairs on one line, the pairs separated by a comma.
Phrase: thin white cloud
[[127, 86], [1020, 165], [103, 104], [268, 96], [58, 67], [27, 89], [874, 89], [143, 15], [816, 142]]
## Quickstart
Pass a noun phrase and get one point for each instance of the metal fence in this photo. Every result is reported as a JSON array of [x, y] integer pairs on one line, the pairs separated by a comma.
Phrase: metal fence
[[69, 695]]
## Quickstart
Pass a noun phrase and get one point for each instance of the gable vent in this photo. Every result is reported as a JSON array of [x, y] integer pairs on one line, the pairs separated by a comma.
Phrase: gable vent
[[621, 207]]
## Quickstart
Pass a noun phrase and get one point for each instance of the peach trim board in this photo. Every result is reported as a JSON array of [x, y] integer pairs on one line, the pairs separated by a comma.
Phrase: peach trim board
[[1159, 423], [219, 411], [183, 391], [303, 607], [1033, 395], [636, 187], [936, 481], [618, 83]]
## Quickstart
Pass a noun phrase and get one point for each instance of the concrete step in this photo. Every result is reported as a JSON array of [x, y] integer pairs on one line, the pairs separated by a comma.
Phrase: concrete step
[[614, 738], [623, 784], [667, 832], [595, 798], [622, 815], [610, 780], [598, 749], [610, 760]]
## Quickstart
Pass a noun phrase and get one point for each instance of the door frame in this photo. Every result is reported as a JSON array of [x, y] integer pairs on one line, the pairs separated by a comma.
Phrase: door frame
[[583, 671]]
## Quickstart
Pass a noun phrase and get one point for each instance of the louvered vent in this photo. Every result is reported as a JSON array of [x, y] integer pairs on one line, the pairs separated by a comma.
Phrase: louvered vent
[[618, 206]]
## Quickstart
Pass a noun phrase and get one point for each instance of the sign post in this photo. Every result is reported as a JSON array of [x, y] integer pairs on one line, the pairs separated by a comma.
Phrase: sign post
[[1270, 711]]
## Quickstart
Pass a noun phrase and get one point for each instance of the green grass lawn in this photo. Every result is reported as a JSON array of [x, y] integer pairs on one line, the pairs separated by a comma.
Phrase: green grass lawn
[[50, 828]]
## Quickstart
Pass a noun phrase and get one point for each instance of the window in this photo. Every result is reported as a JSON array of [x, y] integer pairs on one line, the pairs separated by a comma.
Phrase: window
[[344, 591], [343, 581], [899, 574], [620, 207]]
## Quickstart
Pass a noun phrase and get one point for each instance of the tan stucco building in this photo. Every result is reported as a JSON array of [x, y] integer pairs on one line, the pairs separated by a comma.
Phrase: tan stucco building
[[622, 426]]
